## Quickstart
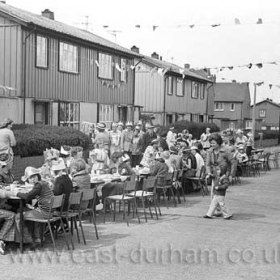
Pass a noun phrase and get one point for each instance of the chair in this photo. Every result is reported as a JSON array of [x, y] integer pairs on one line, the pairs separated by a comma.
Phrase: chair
[[165, 183], [88, 206], [55, 205], [128, 186], [178, 184], [273, 160], [201, 181], [147, 194]]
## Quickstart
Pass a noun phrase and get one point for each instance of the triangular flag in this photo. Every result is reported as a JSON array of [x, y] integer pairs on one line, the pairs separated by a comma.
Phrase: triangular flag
[[259, 21], [155, 27], [250, 65], [166, 70], [230, 67], [215, 25], [118, 67], [237, 21], [223, 78], [222, 68], [270, 86], [97, 63], [105, 26], [153, 70], [137, 26], [259, 84], [259, 65], [160, 71], [132, 67], [191, 26]]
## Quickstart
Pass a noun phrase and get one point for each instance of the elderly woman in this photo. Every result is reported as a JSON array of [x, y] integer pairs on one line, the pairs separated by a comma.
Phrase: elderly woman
[[80, 175], [7, 138], [150, 153], [6, 176], [40, 191]]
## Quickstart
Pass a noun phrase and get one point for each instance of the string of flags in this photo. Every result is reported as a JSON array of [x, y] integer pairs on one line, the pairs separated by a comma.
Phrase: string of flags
[[110, 85], [119, 68], [236, 21]]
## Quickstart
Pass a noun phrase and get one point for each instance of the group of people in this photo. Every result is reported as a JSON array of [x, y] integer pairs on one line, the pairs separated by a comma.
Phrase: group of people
[[118, 151]]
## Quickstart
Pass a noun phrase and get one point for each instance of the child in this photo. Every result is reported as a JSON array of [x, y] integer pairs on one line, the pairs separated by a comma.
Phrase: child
[[221, 183]]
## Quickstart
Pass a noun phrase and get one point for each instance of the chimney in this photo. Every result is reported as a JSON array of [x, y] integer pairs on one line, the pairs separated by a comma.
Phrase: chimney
[[48, 14], [155, 55], [187, 66], [135, 49], [160, 58]]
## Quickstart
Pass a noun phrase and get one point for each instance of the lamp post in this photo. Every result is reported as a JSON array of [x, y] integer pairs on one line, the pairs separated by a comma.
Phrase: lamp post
[[254, 114]]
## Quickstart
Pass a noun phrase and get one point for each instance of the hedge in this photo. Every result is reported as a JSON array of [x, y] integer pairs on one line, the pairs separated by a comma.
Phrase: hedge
[[196, 129], [32, 140], [267, 134]]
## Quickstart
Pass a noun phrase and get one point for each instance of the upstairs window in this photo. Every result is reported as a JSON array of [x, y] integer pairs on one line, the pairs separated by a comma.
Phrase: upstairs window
[[195, 90], [180, 88], [41, 51], [262, 113], [219, 106], [123, 72], [232, 107], [68, 57], [171, 85], [202, 91], [105, 70]]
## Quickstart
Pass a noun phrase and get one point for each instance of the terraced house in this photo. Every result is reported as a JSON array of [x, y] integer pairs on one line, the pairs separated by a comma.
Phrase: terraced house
[[53, 73], [168, 93]]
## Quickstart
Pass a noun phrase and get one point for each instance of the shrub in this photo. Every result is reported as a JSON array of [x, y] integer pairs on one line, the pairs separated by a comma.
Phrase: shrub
[[196, 129], [267, 134], [32, 140]]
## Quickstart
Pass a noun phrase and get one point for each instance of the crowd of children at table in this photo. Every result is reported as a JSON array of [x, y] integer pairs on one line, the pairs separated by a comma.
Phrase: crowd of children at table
[[118, 151]]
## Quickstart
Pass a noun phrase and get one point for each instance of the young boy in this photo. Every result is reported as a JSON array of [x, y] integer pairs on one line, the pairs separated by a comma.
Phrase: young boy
[[221, 183]]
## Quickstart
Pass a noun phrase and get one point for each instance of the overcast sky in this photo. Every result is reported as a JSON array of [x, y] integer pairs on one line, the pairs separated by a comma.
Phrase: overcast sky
[[200, 46]]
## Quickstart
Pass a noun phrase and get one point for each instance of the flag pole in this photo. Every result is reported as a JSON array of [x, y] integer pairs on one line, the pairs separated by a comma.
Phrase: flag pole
[[254, 115]]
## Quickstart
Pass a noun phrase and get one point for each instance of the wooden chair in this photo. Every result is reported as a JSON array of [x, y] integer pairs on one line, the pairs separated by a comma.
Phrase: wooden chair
[[201, 181], [164, 183], [123, 199], [178, 184], [56, 204], [147, 195], [88, 206]]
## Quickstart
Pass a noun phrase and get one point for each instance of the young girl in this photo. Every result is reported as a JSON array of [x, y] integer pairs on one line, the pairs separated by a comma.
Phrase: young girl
[[221, 183]]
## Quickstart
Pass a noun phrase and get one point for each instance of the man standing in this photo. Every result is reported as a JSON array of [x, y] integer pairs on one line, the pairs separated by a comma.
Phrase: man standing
[[148, 136]]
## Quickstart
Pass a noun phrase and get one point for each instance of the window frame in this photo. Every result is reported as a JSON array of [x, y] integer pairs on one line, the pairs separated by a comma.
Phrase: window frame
[[47, 52], [124, 72], [194, 90], [101, 64], [232, 109], [180, 81], [172, 85], [76, 72], [216, 109], [105, 109], [202, 92], [262, 115], [74, 123]]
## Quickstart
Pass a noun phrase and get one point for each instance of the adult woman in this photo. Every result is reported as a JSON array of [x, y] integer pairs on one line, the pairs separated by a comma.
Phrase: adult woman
[[204, 138], [99, 158], [42, 193], [199, 160], [80, 176], [6, 176], [7, 138], [115, 139], [218, 155], [136, 153], [117, 165], [126, 143]]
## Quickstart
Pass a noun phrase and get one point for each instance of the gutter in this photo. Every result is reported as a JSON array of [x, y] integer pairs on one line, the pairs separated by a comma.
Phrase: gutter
[[24, 69]]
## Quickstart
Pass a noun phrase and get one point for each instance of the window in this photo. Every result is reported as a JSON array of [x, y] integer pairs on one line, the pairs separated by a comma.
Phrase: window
[[171, 85], [248, 124], [105, 70], [180, 90], [106, 114], [123, 77], [202, 91], [68, 58], [195, 90], [262, 113], [69, 114], [231, 125], [41, 113], [41, 51], [232, 107], [219, 106]]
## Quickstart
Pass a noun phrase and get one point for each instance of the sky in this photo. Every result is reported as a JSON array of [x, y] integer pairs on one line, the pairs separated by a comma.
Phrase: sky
[[202, 46]]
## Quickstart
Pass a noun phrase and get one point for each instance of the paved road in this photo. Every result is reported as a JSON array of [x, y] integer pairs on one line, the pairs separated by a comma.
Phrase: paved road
[[181, 245]]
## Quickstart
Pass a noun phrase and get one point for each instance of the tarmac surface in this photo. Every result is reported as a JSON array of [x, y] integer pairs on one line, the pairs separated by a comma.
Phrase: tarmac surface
[[180, 245]]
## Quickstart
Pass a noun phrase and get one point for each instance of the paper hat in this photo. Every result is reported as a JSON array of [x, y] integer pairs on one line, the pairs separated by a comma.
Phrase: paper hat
[[30, 171], [58, 165], [129, 124], [101, 125], [148, 125], [51, 154], [65, 150]]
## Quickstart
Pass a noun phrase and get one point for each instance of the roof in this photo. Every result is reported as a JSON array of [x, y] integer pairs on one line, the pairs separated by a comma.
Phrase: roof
[[174, 68], [268, 101], [232, 92], [26, 17]]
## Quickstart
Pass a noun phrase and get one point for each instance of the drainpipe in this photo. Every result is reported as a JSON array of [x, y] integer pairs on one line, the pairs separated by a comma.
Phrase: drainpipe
[[25, 70], [207, 88], [134, 89]]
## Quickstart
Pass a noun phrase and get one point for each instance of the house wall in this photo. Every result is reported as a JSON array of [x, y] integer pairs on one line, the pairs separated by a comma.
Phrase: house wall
[[85, 86], [272, 113], [228, 114], [149, 89], [10, 69]]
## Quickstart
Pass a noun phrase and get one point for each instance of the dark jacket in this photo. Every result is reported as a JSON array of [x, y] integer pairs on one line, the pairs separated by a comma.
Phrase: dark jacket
[[42, 192], [81, 179], [147, 139], [222, 184], [160, 168], [63, 185]]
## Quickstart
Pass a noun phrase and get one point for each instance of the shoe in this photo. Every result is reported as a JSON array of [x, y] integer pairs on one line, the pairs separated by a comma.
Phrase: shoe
[[228, 217], [218, 215], [2, 247], [207, 217]]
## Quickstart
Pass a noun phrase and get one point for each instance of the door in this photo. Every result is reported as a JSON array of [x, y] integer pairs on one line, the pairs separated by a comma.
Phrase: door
[[41, 113]]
